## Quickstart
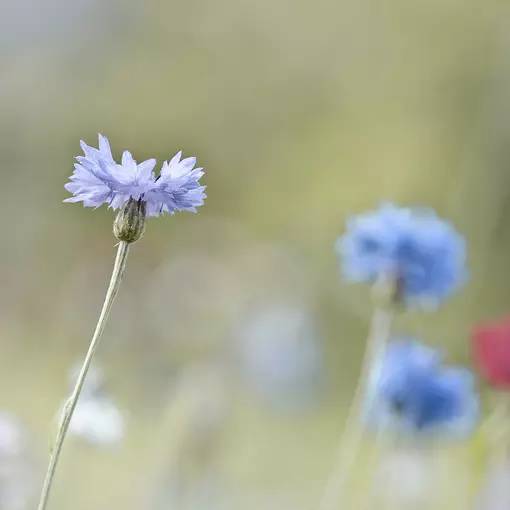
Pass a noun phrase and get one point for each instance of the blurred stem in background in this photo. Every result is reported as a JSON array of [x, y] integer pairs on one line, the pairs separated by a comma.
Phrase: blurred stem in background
[[382, 444], [184, 458], [384, 292], [494, 490], [113, 288]]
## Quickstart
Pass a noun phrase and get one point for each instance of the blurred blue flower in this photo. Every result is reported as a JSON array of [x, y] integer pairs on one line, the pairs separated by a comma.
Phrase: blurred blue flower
[[414, 392], [425, 254], [281, 356], [98, 179]]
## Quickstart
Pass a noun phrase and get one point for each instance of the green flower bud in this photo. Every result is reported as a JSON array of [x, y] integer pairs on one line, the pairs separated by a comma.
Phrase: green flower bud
[[129, 225]]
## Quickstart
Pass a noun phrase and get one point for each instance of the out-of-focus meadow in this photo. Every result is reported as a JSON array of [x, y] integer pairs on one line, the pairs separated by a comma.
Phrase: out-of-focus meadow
[[234, 346]]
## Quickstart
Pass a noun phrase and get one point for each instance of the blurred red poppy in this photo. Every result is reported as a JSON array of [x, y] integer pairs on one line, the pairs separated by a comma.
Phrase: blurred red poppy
[[491, 351]]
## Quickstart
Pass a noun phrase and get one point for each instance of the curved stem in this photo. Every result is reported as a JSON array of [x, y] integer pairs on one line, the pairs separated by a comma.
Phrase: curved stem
[[350, 443], [113, 288]]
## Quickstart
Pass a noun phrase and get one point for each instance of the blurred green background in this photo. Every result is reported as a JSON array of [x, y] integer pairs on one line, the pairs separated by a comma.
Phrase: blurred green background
[[302, 113]]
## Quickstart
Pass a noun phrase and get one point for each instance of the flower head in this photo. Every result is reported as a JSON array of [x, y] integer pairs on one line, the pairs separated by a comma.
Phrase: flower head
[[98, 179], [422, 253], [491, 351], [416, 393]]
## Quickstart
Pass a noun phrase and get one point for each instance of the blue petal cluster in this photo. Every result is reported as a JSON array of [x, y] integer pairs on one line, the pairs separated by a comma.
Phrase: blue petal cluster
[[98, 179], [425, 254], [416, 393]]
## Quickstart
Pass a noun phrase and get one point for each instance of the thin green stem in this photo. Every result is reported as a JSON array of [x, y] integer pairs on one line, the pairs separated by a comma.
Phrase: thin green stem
[[113, 288], [382, 442], [350, 443]]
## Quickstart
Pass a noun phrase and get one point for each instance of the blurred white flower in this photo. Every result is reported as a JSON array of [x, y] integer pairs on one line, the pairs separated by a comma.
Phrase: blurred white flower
[[97, 420]]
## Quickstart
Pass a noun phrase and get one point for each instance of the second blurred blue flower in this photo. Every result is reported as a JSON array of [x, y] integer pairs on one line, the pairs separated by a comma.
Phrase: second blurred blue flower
[[416, 393]]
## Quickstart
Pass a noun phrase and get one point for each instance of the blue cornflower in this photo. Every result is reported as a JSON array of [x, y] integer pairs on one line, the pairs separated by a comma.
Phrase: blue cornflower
[[424, 254], [415, 393], [98, 179]]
